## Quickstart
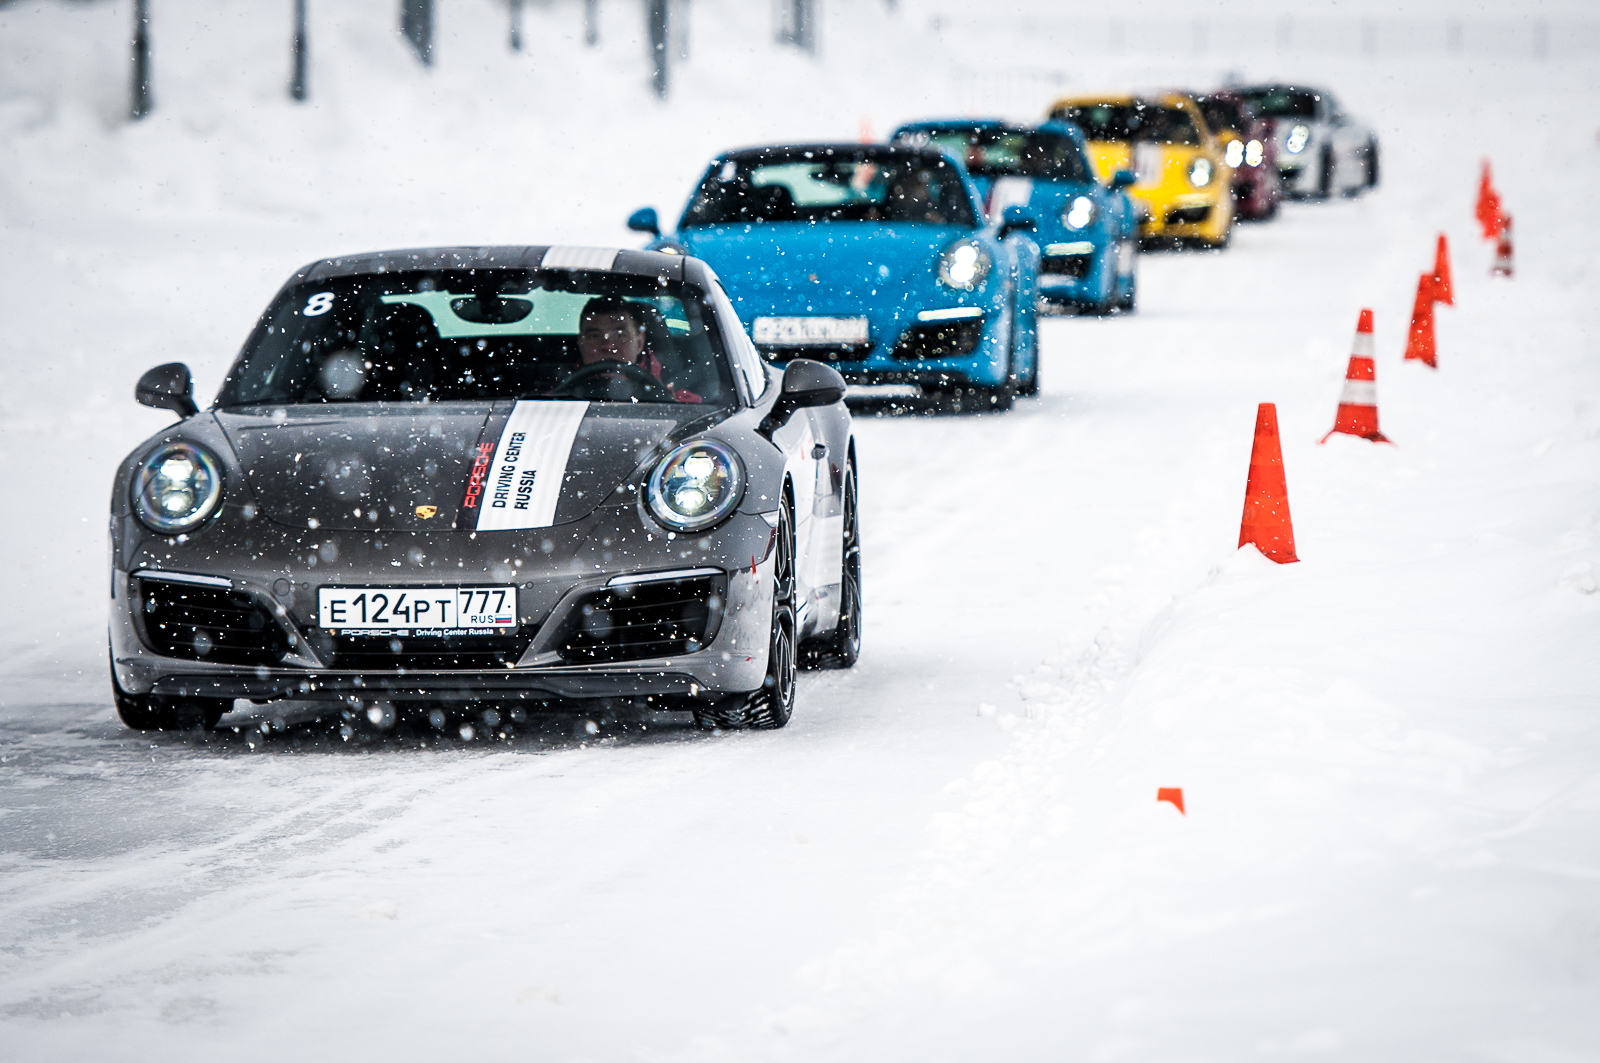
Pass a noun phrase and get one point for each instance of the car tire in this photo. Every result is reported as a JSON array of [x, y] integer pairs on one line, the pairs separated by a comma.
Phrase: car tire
[[1326, 191], [772, 704], [1028, 385], [1126, 303], [1372, 162], [147, 712], [842, 648]]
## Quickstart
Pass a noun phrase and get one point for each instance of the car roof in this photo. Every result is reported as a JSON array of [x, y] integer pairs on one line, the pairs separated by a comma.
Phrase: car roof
[[532, 256], [847, 150]]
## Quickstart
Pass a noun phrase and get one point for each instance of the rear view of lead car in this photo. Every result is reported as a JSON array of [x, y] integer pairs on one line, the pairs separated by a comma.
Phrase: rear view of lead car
[[514, 474]]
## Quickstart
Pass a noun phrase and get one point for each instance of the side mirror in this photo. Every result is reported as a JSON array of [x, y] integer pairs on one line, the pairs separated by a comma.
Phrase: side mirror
[[1124, 179], [168, 387], [644, 220], [1016, 219], [805, 383]]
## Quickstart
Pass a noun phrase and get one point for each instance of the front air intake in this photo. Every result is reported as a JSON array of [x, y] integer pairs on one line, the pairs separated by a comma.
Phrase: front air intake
[[198, 622], [656, 618]]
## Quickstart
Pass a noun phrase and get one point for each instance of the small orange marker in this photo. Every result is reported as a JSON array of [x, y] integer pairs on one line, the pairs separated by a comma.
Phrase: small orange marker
[[1172, 795]]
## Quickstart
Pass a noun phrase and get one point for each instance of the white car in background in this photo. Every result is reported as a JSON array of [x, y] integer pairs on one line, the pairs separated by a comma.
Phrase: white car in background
[[1321, 150]]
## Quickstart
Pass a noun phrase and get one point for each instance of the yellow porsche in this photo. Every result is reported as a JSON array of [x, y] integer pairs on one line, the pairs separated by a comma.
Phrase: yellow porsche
[[1183, 186]]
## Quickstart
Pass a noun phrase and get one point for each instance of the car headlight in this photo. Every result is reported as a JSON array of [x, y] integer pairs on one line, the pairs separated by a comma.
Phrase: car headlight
[[1234, 154], [1299, 136], [1254, 152], [1079, 213], [1200, 172], [695, 486], [177, 488], [963, 266]]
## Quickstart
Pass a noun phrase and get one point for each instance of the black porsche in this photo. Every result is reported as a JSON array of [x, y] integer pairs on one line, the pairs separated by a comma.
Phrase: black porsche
[[458, 476]]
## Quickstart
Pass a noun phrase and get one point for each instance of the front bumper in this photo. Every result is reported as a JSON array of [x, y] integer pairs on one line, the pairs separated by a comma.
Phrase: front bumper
[[557, 571], [1081, 269], [1205, 215], [959, 339]]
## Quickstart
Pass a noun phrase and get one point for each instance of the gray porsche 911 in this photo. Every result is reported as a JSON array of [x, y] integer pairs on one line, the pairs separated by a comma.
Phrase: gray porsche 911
[[459, 476]]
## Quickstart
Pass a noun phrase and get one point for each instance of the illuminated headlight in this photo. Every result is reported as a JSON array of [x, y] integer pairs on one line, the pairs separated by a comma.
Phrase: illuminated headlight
[[1254, 152], [963, 266], [1298, 138], [1200, 172], [1079, 213], [695, 486], [177, 488], [1234, 155]]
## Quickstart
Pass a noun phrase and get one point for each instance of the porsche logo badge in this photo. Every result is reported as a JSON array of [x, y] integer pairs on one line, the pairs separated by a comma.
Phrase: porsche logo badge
[[427, 512]]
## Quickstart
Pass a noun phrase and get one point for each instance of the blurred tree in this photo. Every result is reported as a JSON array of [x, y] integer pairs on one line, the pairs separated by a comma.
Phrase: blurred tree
[[591, 22], [416, 24], [656, 14], [141, 60], [297, 80], [797, 23], [516, 25]]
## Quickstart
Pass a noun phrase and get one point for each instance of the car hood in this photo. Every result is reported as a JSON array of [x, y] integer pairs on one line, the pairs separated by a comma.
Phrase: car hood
[[855, 259], [407, 466]]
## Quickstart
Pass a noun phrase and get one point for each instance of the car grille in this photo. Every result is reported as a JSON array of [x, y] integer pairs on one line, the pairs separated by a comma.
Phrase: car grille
[[1188, 215], [845, 352], [421, 653], [946, 339], [197, 623], [661, 618], [1074, 266]]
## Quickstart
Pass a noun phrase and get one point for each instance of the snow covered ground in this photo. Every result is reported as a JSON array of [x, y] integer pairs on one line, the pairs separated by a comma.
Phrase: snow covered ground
[[1388, 751]]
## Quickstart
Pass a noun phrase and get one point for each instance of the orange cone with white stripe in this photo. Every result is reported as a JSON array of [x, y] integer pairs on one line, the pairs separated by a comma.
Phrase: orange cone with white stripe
[[1419, 342], [1358, 403], [1266, 520], [1442, 292], [1502, 250]]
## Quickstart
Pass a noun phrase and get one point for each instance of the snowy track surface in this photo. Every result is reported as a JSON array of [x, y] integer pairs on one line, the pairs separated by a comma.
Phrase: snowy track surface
[[1388, 751]]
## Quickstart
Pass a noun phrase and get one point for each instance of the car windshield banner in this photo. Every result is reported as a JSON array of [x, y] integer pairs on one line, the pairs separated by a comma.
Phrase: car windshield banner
[[520, 485]]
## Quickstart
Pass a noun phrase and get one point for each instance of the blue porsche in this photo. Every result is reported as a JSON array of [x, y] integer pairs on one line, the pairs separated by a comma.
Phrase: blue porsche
[[1089, 233], [874, 258]]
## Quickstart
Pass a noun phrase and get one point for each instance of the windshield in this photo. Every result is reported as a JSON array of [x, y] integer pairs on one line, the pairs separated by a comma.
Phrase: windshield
[[1225, 114], [482, 334], [1137, 121], [818, 186], [1282, 103], [1011, 153]]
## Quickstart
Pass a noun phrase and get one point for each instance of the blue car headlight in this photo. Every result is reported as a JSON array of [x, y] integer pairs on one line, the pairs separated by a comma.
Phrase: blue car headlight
[[1297, 140], [177, 488], [1079, 213], [695, 486], [964, 265]]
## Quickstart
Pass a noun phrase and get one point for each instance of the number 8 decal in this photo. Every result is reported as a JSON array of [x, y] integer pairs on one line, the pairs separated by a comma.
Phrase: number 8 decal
[[318, 304]]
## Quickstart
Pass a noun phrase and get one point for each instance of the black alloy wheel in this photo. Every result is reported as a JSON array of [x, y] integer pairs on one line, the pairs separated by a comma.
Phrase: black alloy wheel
[[770, 706], [843, 648], [147, 712], [1327, 173]]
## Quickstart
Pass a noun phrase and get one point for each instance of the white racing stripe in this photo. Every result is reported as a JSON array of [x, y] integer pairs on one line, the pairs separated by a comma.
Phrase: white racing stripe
[[530, 462], [560, 257]]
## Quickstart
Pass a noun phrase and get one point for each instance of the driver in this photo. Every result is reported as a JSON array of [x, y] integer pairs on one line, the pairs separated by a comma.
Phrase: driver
[[613, 330]]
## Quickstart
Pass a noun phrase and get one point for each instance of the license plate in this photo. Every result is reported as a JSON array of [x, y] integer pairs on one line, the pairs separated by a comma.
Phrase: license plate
[[808, 331], [415, 608]]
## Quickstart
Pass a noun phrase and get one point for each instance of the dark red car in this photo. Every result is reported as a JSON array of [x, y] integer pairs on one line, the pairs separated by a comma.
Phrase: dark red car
[[1249, 148]]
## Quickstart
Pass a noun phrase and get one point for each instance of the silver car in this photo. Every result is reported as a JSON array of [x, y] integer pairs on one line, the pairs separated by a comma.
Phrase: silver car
[[510, 475], [1321, 150]]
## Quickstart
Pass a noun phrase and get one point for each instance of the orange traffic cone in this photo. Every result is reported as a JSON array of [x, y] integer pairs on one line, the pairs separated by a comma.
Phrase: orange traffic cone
[[1419, 343], [1173, 795], [1442, 292], [1502, 251], [1358, 403], [1266, 494], [1488, 207]]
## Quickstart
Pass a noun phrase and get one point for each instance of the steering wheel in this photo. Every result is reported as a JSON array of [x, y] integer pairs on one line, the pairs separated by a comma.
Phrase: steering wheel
[[645, 386]]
